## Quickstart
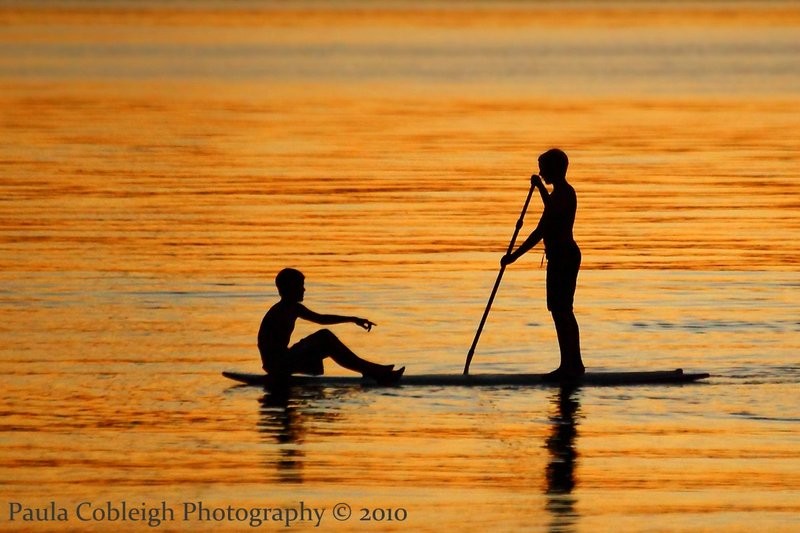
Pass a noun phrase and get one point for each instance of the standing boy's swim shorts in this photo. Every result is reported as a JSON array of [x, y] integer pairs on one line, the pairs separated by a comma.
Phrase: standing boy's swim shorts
[[562, 278]]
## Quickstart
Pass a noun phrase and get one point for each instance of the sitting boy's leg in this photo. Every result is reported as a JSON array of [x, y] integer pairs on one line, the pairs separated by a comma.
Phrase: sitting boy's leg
[[324, 343]]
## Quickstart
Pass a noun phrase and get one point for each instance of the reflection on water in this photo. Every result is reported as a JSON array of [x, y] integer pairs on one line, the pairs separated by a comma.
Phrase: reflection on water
[[282, 421], [561, 445], [285, 414]]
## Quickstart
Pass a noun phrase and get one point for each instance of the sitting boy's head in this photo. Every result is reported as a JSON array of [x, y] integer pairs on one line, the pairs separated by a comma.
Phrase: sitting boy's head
[[290, 284]]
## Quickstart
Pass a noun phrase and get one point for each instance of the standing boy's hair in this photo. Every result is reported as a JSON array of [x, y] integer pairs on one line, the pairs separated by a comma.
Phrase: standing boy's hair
[[288, 278], [555, 160]]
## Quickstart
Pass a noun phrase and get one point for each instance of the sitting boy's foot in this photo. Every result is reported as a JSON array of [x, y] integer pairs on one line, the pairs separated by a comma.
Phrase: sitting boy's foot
[[390, 378]]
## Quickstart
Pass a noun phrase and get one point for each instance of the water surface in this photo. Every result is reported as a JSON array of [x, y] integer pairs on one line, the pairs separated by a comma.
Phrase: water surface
[[161, 164]]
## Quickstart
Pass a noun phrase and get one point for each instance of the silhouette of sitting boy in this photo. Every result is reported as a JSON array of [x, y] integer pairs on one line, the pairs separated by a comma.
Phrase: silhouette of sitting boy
[[305, 357]]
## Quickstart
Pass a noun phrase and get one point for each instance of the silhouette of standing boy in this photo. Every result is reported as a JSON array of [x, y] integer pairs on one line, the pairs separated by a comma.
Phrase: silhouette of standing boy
[[563, 257], [305, 357]]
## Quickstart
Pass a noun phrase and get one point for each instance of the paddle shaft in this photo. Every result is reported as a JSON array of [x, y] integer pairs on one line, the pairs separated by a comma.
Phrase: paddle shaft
[[497, 281]]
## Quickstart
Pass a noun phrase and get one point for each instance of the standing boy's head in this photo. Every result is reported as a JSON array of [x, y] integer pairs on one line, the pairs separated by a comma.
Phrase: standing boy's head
[[290, 283], [553, 165]]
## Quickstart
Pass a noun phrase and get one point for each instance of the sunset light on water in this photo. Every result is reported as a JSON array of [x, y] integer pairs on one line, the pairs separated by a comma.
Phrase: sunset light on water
[[163, 161]]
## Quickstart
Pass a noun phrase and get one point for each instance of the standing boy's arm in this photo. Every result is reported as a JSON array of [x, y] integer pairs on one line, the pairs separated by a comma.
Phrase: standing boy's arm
[[327, 320], [529, 243], [536, 181]]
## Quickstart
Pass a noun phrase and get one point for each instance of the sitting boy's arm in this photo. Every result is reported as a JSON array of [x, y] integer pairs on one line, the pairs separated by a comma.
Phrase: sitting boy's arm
[[327, 320]]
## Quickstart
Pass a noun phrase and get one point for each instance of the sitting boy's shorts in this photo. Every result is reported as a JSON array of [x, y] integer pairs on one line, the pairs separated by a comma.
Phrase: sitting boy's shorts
[[562, 278], [306, 358]]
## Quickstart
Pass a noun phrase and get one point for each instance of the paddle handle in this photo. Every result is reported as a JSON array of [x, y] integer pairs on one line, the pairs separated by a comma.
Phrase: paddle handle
[[497, 281]]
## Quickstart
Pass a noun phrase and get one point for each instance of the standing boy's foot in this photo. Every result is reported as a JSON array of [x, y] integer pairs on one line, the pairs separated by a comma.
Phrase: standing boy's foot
[[564, 374], [554, 376]]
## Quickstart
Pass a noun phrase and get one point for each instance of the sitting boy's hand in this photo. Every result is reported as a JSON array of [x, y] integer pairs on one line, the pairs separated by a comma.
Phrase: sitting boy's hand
[[364, 323]]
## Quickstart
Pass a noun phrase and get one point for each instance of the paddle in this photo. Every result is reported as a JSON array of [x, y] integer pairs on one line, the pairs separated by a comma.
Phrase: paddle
[[499, 277]]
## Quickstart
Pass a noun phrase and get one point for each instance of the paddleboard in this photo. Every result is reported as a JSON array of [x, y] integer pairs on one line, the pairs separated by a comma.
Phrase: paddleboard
[[471, 380]]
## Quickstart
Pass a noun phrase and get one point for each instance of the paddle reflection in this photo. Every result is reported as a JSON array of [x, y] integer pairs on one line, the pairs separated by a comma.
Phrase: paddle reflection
[[284, 416], [560, 472]]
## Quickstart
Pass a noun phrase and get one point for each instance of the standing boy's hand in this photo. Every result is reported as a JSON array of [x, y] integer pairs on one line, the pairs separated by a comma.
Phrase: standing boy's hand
[[538, 182], [508, 259]]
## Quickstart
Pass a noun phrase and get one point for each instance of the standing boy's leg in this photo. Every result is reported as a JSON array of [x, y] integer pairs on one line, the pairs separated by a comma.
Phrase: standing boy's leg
[[562, 278], [569, 342]]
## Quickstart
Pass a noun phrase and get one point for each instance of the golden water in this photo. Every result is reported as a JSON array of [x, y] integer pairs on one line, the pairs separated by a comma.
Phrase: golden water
[[160, 164]]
